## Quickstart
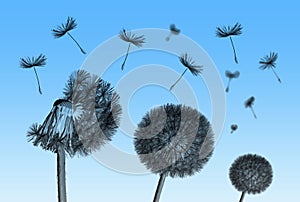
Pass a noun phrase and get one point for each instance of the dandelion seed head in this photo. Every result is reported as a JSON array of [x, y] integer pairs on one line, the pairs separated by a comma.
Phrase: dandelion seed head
[[251, 173], [175, 140], [268, 61], [83, 120], [61, 30], [234, 127], [232, 75], [132, 38], [33, 62], [174, 30], [249, 102], [229, 31], [189, 63]]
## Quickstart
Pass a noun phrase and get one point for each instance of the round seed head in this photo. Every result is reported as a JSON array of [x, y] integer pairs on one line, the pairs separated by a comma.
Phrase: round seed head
[[251, 173], [174, 140]]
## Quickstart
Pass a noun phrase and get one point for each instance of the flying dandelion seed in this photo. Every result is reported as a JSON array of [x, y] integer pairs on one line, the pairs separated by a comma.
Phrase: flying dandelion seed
[[173, 31], [65, 28], [249, 104], [223, 32], [131, 38], [233, 128], [269, 62], [173, 140], [65, 131], [251, 174], [230, 76], [28, 63], [190, 65]]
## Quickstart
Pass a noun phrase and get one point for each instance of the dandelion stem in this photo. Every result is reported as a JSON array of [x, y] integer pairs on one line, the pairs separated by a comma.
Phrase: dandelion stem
[[168, 37], [253, 112], [235, 57], [81, 49], [228, 84], [276, 74], [123, 64], [242, 196], [159, 188], [178, 80], [61, 174], [38, 80]]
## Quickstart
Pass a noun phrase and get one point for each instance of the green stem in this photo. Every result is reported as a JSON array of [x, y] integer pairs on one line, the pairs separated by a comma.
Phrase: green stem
[[81, 49], [234, 52], [159, 188], [38, 80], [123, 64], [178, 80]]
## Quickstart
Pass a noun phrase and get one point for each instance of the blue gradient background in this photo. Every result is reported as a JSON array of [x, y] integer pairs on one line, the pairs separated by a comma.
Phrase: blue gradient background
[[29, 173]]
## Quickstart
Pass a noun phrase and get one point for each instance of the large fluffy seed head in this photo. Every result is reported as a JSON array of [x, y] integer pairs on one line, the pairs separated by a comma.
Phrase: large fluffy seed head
[[96, 108], [251, 173], [85, 119], [58, 129], [175, 140]]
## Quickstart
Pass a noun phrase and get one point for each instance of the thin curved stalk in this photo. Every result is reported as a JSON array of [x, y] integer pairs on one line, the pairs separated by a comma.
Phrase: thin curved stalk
[[61, 175], [276, 75], [234, 52], [178, 80], [228, 85], [253, 112], [242, 196], [159, 188], [38, 80], [123, 64], [81, 49]]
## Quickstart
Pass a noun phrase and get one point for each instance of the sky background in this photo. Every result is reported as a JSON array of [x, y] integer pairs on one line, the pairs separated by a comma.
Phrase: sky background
[[29, 174]]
